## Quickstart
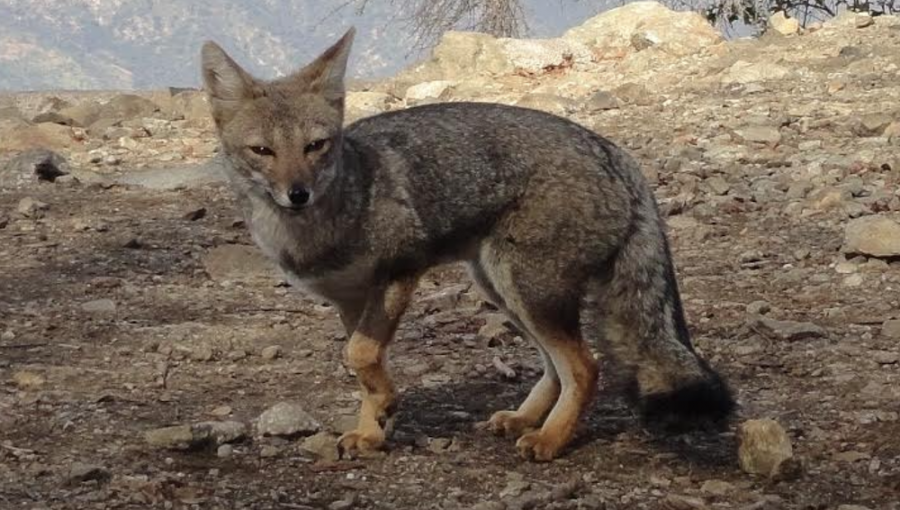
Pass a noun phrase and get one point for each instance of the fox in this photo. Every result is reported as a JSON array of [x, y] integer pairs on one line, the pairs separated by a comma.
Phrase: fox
[[553, 222]]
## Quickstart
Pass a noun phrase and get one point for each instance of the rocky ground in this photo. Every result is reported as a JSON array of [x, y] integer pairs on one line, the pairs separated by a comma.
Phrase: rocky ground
[[150, 359]]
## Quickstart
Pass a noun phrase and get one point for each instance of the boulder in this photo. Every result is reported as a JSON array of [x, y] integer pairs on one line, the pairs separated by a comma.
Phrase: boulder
[[31, 166], [459, 54], [541, 55], [40, 136], [639, 25], [784, 25], [875, 236], [742, 72], [127, 106], [82, 114]]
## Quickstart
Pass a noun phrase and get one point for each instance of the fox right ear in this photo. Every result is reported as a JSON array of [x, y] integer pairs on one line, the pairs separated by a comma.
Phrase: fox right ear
[[225, 81]]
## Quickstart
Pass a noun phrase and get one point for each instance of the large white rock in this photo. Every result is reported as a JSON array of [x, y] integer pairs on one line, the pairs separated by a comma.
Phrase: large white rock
[[540, 55], [638, 25]]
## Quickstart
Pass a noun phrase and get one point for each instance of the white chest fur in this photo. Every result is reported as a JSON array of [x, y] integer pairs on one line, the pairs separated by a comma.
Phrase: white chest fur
[[275, 237]]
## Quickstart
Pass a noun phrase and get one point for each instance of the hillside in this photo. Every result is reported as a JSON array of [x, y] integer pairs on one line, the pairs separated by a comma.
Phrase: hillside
[[139, 44], [142, 336]]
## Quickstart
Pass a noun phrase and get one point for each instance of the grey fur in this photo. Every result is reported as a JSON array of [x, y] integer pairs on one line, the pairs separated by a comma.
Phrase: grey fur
[[545, 213]]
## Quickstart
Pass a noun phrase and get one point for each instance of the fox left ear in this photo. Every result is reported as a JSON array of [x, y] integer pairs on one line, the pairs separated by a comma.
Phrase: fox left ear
[[325, 74]]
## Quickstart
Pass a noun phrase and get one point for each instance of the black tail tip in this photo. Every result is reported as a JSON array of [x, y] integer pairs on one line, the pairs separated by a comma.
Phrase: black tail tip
[[702, 405]]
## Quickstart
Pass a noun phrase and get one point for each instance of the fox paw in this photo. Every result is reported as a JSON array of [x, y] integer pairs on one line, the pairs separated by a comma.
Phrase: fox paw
[[538, 446], [509, 423], [360, 444]]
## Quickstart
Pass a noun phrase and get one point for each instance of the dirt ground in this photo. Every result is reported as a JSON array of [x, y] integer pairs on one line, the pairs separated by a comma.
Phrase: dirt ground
[[80, 385]]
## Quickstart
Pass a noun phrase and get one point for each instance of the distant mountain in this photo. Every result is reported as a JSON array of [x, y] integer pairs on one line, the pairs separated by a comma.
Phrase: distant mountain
[[138, 44]]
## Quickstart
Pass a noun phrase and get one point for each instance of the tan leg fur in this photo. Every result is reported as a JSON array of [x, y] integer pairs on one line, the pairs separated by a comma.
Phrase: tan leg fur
[[367, 355]]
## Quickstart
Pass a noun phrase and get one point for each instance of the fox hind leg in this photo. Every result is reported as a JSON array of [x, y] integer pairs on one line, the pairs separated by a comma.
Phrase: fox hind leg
[[546, 306], [529, 414], [544, 393]]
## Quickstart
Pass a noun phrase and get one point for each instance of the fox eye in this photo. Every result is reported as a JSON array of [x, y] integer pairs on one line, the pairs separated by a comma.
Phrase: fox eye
[[315, 146], [260, 150]]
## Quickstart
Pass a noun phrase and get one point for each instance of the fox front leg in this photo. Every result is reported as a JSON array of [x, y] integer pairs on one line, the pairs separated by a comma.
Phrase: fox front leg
[[366, 354]]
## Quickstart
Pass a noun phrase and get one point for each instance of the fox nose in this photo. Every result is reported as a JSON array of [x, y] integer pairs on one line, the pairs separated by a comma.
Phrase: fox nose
[[299, 195]]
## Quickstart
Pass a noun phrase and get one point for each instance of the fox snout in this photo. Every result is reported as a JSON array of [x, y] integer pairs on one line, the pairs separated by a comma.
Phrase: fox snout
[[293, 195]]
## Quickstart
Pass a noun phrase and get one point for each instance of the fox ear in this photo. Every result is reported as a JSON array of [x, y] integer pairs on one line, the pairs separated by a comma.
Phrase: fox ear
[[325, 74], [227, 84]]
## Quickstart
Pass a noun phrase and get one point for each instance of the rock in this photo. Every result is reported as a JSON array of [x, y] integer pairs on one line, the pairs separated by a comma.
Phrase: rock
[[99, 307], [221, 411], [269, 451], [80, 473], [365, 104], [764, 447], [52, 104], [718, 185], [31, 166], [550, 103], [286, 419], [439, 444], [872, 124], [886, 357], [716, 488], [11, 113], [503, 369], [494, 328], [346, 503], [851, 19], [611, 33], [784, 25], [28, 380], [515, 488], [178, 437], [271, 352], [191, 105], [746, 72], [891, 328], [760, 134], [428, 90], [541, 55], [53, 117], [40, 136], [601, 100], [323, 445], [238, 262], [31, 208], [876, 236], [225, 451], [183, 437], [444, 299], [195, 214], [127, 106], [634, 93], [461, 54], [678, 502], [81, 115], [176, 177], [788, 330], [202, 352]]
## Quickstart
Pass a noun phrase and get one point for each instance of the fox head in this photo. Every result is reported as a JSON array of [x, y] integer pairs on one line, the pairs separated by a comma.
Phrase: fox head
[[282, 136]]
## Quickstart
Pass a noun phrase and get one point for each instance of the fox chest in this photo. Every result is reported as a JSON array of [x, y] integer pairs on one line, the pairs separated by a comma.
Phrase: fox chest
[[326, 269]]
